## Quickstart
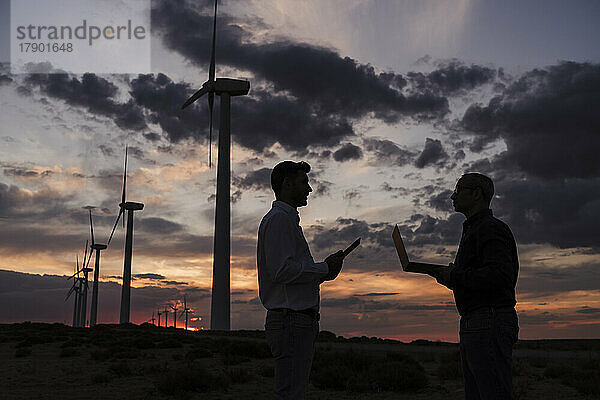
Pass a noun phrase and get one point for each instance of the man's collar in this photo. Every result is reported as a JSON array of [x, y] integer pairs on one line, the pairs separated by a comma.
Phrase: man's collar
[[285, 206], [477, 216]]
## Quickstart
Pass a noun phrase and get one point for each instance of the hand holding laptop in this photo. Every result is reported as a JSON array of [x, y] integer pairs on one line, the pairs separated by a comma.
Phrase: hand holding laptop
[[433, 270]]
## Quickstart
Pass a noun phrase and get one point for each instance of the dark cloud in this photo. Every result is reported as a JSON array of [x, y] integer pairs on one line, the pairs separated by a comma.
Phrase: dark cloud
[[564, 213], [32, 205], [589, 310], [433, 153], [536, 281], [548, 119], [452, 78], [320, 75], [387, 152], [396, 191], [441, 201], [41, 298], [352, 194], [149, 276], [255, 180], [347, 152], [158, 226], [152, 136], [177, 283], [316, 92], [92, 92], [23, 172]]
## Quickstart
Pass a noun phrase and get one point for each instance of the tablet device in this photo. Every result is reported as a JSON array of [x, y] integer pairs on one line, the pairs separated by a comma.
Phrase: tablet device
[[352, 247]]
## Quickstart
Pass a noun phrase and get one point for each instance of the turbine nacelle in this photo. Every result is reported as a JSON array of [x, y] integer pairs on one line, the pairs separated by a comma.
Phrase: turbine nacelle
[[132, 205], [98, 246]]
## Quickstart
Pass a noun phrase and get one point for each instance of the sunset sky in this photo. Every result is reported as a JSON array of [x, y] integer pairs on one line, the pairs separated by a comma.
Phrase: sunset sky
[[389, 101]]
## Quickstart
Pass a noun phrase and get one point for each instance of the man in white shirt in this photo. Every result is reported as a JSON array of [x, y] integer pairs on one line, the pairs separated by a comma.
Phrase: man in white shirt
[[289, 279]]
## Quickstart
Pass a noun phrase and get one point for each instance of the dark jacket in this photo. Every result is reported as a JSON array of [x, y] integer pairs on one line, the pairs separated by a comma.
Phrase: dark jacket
[[486, 265]]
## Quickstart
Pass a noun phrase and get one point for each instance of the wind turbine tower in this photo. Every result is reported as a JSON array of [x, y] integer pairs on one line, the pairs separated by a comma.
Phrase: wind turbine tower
[[130, 207], [98, 248], [226, 88]]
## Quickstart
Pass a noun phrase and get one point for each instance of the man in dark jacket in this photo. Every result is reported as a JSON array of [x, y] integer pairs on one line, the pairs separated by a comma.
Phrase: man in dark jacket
[[483, 278]]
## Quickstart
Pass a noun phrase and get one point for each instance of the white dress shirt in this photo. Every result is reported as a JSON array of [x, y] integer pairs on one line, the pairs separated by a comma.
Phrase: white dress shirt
[[288, 276]]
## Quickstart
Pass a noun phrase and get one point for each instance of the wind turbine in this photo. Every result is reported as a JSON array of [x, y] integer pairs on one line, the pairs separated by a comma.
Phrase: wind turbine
[[226, 88], [174, 308], [98, 247], [185, 311], [75, 289], [130, 206], [166, 312], [159, 313]]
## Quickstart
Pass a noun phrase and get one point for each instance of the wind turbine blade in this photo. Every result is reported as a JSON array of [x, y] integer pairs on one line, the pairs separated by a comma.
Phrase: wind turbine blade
[[115, 226], [211, 70], [85, 254], [124, 182], [89, 259], [203, 90], [92, 228], [211, 100], [70, 292]]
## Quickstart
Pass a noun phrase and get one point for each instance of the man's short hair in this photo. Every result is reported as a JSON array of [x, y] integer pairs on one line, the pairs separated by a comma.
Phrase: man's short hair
[[482, 182], [286, 169]]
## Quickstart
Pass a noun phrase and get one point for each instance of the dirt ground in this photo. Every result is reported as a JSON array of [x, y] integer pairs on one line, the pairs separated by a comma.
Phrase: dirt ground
[[37, 362]]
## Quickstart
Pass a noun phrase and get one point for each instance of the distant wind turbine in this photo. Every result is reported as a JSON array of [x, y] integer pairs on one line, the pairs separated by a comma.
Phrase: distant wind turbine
[[226, 88], [185, 311], [75, 289], [98, 247], [130, 206], [174, 308]]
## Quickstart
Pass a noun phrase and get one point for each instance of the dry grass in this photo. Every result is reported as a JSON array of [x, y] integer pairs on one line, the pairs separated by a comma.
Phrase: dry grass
[[146, 362]]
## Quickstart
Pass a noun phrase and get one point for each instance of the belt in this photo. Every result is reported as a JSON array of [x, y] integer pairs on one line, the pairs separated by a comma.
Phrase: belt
[[311, 312]]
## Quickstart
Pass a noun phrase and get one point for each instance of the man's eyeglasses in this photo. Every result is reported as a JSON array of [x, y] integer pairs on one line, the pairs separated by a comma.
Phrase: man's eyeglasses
[[458, 189]]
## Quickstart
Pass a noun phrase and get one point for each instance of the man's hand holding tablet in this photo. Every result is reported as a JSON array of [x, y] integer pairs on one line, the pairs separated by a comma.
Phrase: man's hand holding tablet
[[336, 260]]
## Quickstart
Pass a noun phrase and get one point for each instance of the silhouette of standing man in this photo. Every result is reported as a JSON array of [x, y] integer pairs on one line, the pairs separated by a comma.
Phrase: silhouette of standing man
[[483, 278], [289, 279]]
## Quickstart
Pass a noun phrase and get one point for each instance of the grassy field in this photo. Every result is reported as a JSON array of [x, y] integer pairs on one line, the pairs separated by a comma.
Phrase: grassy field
[[54, 361]]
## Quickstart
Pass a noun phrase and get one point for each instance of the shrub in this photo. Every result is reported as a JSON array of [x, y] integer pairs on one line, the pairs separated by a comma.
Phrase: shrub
[[100, 355], [239, 375], [360, 372], [68, 352], [120, 369], [246, 349], [100, 378], [556, 370], [267, 371], [196, 353], [586, 382], [193, 377], [23, 352], [450, 366]]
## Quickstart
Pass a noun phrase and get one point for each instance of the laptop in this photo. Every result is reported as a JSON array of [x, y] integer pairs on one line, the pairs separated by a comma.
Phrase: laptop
[[411, 266]]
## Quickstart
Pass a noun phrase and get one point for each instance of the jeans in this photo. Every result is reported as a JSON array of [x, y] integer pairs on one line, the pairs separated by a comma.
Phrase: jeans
[[291, 337], [486, 340]]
